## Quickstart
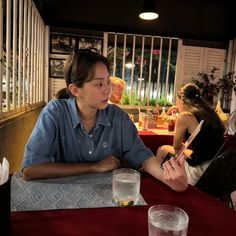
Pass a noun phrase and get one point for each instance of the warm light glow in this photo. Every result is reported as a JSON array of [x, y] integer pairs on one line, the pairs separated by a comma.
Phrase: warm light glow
[[129, 65], [140, 79], [170, 97], [148, 15]]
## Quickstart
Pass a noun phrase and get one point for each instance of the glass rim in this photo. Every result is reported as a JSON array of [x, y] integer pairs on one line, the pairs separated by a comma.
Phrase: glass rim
[[126, 170], [175, 208]]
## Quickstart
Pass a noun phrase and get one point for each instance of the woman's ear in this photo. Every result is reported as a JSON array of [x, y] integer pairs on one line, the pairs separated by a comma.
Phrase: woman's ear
[[74, 90]]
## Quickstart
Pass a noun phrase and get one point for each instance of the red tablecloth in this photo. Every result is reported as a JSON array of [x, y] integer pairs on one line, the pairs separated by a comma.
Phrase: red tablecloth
[[207, 216], [156, 138]]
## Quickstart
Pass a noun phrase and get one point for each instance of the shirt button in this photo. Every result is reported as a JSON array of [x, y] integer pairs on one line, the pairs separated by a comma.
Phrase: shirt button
[[90, 135], [90, 152]]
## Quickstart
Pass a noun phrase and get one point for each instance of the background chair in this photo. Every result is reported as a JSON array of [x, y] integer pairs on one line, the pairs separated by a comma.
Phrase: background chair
[[219, 179]]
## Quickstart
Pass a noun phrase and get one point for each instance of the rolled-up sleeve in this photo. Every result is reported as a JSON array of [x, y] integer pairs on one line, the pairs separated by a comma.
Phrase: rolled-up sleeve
[[134, 149], [42, 143]]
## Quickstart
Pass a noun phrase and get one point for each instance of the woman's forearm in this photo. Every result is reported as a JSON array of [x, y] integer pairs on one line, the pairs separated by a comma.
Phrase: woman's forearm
[[153, 166], [55, 170], [173, 174]]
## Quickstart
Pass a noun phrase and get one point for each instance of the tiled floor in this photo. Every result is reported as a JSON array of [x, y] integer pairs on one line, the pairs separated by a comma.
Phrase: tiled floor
[[233, 196]]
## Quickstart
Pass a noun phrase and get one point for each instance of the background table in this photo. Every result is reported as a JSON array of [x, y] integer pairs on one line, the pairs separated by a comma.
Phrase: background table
[[207, 216], [154, 138]]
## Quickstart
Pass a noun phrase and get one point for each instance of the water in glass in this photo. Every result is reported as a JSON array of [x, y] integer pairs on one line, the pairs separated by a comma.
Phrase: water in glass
[[167, 223], [126, 186]]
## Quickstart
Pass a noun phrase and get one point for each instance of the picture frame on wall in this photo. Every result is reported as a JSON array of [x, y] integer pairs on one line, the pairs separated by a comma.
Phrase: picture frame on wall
[[87, 42], [56, 68], [62, 44]]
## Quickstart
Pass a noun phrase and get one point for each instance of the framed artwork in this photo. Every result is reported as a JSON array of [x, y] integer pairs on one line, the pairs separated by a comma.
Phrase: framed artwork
[[85, 42], [57, 68], [61, 44]]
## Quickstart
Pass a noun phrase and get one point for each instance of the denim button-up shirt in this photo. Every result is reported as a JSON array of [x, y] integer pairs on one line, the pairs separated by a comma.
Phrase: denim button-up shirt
[[59, 136]]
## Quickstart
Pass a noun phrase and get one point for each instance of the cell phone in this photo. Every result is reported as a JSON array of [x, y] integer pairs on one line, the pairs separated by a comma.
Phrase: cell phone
[[167, 157], [185, 145]]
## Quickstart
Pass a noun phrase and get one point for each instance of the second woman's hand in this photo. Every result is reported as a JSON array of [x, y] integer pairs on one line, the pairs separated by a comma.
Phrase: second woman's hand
[[173, 109]]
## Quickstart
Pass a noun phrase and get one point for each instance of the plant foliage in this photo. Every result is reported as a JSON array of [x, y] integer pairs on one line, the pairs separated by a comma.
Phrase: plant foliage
[[211, 86]]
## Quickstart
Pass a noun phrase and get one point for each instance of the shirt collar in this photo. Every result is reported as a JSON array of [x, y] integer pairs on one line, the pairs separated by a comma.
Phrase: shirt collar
[[102, 118]]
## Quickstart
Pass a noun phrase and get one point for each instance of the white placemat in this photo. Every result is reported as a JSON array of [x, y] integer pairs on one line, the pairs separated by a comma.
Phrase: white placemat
[[83, 191]]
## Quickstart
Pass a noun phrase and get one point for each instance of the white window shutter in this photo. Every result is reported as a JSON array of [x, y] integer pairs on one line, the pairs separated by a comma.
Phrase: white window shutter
[[214, 57], [190, 65], [199, 59]]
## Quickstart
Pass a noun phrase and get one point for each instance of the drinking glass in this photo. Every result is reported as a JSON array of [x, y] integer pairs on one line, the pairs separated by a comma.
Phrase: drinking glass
[[126, 186], [140, 120], [167, 220], [171, 125], [145, 121]]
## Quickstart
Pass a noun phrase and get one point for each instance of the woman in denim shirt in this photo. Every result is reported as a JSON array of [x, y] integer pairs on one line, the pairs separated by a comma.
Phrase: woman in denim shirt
[[85, 134]]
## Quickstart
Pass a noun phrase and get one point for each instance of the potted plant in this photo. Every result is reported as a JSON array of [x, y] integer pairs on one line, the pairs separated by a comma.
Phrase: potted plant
[[207, 84], [212, 87], [226, 85]]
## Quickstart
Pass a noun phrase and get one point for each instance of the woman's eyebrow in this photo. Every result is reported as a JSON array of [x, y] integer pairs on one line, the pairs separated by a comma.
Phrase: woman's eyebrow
[[101, 78], [98, 79]]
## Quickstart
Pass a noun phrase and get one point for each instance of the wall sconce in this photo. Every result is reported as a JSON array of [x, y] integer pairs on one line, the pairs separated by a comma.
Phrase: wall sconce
[[148, 11]]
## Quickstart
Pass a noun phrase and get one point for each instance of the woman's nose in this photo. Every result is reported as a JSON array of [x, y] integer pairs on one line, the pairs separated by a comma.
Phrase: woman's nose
[[107, 89]]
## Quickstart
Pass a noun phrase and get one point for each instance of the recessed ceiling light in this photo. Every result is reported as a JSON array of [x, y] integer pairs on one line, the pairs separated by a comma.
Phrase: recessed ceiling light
[[148, 15]]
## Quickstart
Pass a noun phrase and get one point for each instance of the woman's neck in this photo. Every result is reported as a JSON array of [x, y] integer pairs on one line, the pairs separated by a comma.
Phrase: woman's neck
[[87, 119], [86, 114]]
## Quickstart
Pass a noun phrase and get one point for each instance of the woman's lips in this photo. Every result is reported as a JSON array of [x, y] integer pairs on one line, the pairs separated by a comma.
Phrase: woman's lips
[[105, 101]]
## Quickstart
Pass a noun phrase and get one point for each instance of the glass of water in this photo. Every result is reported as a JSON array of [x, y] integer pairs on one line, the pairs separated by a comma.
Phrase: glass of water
[[166, 220], [126, 186]]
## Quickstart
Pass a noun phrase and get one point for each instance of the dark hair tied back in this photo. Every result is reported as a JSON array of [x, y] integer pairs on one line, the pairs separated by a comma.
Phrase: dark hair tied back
[[191, 92]]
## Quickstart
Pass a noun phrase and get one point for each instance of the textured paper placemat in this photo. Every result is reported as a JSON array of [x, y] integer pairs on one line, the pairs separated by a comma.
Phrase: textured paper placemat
[[83, 191]]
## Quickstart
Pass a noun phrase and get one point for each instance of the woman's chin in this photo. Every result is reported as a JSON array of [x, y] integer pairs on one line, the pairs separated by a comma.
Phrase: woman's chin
[[103, 106]]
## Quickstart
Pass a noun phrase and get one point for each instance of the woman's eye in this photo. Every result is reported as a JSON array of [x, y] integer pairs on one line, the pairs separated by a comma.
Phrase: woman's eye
[[99, 85]]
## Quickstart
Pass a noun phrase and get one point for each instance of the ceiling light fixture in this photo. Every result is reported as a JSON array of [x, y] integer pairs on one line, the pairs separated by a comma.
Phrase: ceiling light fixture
[[148, 11]]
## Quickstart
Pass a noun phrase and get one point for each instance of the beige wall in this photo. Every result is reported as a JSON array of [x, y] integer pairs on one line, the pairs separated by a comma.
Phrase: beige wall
[[13, 137]]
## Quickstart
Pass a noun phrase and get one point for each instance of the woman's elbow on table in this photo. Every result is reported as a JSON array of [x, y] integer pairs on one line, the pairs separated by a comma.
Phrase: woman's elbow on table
[[27, 174], [34, 172]]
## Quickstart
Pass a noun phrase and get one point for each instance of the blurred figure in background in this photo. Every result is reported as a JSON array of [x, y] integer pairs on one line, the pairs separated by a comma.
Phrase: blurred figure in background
[[118, 86], [193, 109]]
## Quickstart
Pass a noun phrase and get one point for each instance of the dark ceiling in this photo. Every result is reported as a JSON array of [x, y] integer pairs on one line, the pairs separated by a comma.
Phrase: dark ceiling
[[189, 19]]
